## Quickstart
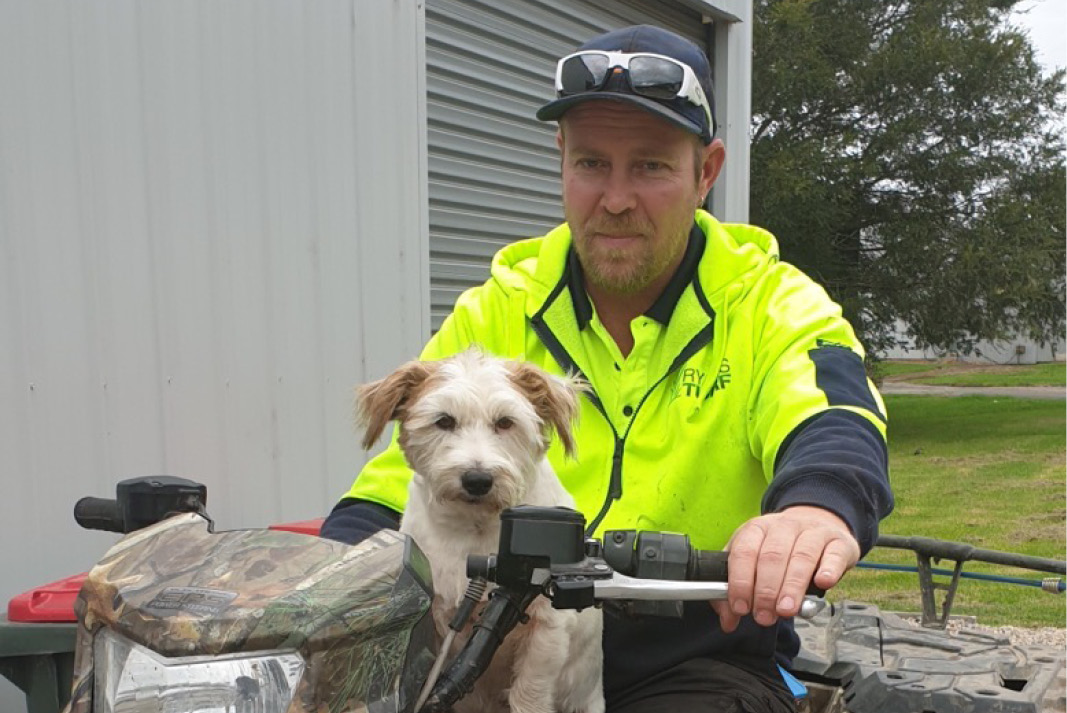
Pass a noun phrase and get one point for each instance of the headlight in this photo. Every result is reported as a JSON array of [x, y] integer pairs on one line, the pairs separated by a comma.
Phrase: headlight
[[133, 679]]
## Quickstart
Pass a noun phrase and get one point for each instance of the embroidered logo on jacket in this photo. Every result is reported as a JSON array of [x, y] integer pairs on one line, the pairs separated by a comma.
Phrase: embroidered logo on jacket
[[694, 382], [721, 379]]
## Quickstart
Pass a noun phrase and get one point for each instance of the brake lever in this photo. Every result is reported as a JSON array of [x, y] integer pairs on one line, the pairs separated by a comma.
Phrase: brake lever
[[620, 586]]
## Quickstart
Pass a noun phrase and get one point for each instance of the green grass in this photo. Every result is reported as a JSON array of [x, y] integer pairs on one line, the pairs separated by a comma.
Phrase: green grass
[[987, 471], [1029, 375], [951, 373]]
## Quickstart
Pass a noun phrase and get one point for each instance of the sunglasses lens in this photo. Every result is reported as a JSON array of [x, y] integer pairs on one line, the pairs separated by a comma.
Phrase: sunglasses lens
[[655, 78], [583, 73]]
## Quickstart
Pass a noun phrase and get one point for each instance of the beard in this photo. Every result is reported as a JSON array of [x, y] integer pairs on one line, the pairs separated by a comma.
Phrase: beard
[[630, 268]]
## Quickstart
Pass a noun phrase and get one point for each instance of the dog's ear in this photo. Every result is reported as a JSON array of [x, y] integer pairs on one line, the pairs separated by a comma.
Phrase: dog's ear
[[382, 401], [554, 398]]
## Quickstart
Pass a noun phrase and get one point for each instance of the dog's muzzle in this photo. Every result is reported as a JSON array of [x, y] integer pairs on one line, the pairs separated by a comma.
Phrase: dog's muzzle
[[477, 482]]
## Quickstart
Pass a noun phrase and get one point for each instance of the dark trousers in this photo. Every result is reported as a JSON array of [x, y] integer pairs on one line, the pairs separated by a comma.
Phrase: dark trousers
[[710, 685]]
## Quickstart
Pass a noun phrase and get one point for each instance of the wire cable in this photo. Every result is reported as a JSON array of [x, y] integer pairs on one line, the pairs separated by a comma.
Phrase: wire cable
[[1053, 585], [475, 591]]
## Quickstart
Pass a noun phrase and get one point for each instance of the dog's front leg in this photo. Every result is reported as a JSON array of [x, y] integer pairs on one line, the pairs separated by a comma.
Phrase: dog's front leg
[[538, 662]]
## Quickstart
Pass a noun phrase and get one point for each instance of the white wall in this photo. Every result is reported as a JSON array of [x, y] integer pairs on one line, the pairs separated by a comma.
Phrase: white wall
[[212, 225], [1019, 350], [733, 106]]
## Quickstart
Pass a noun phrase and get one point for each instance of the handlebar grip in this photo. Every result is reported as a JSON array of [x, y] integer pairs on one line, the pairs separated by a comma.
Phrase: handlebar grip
[[99, 514], [708, 565], [711, 566]]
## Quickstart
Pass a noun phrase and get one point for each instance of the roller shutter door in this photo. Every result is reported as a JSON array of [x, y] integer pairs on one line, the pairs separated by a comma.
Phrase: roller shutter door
[[493, 169]]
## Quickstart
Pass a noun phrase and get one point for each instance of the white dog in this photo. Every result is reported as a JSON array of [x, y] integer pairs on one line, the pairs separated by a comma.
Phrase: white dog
[[475, 429]]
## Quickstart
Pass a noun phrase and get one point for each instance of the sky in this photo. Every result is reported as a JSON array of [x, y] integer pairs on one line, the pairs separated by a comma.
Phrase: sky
[[1046, 23]]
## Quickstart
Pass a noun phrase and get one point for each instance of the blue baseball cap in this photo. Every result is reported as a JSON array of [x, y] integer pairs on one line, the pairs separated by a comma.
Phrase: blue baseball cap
[[655, 40]]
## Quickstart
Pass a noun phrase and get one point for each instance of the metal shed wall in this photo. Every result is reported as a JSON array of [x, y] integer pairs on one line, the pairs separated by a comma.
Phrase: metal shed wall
[[213, 222], [493, 168], [212, 225]]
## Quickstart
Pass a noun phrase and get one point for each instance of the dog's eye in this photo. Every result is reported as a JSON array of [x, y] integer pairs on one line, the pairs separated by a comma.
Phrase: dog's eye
[[445, 422], [503, 423]]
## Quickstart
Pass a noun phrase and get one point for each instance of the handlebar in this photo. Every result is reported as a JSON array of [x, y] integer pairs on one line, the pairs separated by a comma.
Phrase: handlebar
[[661, 555], [99, 514], [543, 551], [140, 502], [712, 566], [708, 565]]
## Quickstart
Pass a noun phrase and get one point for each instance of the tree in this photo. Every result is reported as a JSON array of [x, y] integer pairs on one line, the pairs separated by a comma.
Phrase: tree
[[909, 156]]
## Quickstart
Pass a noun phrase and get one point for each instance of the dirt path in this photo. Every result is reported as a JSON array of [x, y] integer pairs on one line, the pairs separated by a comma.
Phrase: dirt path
[[910, 383], [1017, 392]]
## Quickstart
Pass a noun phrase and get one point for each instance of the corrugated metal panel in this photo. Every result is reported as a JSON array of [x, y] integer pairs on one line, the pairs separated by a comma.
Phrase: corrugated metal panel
[[493, 168], [212, 225]]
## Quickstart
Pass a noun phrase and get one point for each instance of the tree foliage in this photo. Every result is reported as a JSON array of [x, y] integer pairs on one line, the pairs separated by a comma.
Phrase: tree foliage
[[909, 155]]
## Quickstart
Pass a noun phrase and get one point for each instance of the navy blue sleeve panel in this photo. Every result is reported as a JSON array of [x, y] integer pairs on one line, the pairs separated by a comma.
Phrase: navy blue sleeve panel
[[836, 460], [840, 373], [354, 520]]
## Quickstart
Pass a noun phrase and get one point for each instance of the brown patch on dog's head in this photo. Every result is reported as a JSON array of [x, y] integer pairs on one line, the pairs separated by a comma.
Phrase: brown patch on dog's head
[[555, 399], [382, 401]]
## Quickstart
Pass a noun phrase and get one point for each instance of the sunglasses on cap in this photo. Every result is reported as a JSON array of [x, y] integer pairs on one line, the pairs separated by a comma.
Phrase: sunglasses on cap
[[650, 75]]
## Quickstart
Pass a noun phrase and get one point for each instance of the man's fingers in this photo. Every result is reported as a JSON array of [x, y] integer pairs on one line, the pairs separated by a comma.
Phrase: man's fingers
[[728, 621], [774, 558], [839, 556], [807, 552], [745, 548]]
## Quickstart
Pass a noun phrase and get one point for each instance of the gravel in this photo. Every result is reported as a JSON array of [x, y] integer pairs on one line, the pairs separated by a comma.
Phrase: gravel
[[1017, 635]]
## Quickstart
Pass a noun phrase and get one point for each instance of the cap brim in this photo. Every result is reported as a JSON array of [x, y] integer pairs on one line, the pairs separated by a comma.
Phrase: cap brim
[[553, 110]]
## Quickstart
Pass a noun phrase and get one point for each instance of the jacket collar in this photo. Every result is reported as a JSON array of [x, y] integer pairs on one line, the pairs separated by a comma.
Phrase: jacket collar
[[554, 313], [537, 271], [660, 310]]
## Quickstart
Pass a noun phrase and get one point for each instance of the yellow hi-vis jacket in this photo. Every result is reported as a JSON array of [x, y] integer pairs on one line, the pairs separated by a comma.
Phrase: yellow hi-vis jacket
[[729, 395]]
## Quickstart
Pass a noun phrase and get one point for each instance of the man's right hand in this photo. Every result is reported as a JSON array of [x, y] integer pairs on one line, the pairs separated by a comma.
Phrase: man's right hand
[[774, 558]]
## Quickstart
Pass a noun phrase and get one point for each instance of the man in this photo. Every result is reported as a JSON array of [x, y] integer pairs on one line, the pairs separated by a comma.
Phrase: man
[[728, 401]]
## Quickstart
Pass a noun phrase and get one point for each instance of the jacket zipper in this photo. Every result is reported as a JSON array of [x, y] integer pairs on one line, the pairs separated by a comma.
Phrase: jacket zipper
[[563, 358]]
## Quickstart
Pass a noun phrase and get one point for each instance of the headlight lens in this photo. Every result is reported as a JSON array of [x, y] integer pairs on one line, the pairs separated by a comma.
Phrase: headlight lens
[[133, 679]]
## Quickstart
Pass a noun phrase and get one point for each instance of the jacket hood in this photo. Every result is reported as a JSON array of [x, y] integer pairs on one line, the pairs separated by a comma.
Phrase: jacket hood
[[733, 254]]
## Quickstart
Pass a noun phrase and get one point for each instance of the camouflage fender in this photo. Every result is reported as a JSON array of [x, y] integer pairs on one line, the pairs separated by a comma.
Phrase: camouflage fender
[[356, 614]]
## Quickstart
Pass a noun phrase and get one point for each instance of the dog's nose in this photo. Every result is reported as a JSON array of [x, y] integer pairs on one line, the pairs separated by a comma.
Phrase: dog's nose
[[477, 482]]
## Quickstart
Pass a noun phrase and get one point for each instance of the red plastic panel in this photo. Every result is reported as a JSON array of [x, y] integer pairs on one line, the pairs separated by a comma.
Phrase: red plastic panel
[[48, 603], [305, 527]]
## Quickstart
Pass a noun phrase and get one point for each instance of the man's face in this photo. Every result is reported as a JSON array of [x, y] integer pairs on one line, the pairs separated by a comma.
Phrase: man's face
[[631, 182]]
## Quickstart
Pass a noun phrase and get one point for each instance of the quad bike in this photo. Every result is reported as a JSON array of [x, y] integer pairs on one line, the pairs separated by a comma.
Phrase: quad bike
[[177, 617]]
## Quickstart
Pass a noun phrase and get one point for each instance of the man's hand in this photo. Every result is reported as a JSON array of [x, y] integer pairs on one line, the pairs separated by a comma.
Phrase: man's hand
[[773, 559]]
